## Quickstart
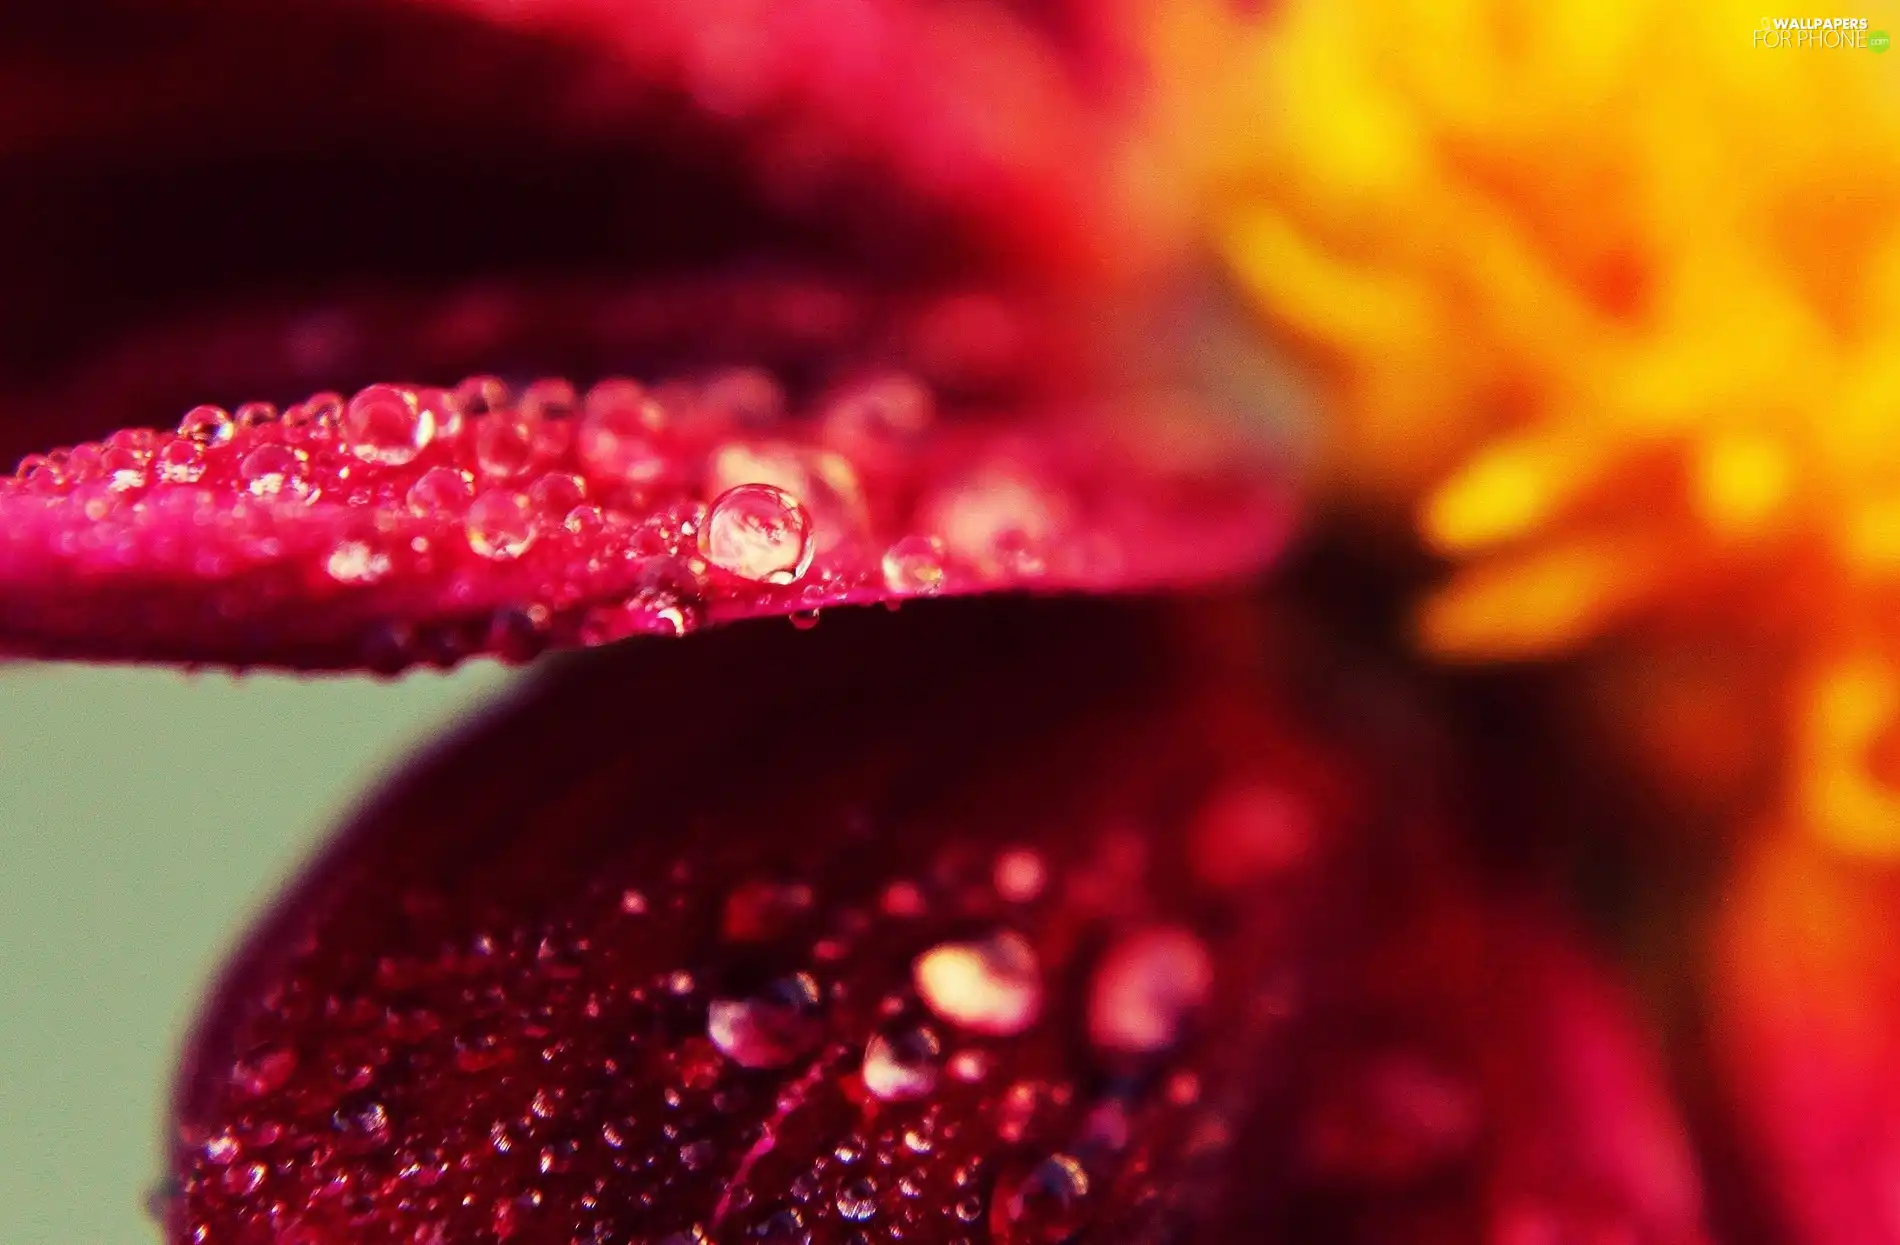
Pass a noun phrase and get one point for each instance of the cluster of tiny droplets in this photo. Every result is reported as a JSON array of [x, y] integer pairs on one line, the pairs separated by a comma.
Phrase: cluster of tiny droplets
[[549, 515], [945, 1104]]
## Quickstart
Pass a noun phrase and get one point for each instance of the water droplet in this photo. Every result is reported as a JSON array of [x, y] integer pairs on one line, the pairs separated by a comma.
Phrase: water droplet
[[902, 1064], [207, 425], [787, 1227], [263, 1070], [616, 439], [857, 1200], [356, 562], [478, 395], [179, 461], [885, 410], [124, 469], [804, 620], [969, 1065], [914, 566], [743, 397], [1020, 875], [557, 494], [849, 1151], [997, 523], [440, 491], [387, 424], [1041, 1205], [770, 1028], [500, 525], [758, 532], [993, 986], [504, 444], [254, 415], [1145, 988], [273, 471]]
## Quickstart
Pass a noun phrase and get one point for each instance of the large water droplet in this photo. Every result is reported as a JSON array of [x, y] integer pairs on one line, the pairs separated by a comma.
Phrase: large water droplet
[[500, 525], [770, 1028], [742, 397], [993, 986], [207, 425], [504, 444], [616, 439], [1043, 1204], [1145, 988], [356, 562], [758, 532], [439, 491], [857, 1199], [881, 411], [387, 424], [914, 566], [274, 471], [902, 1064]]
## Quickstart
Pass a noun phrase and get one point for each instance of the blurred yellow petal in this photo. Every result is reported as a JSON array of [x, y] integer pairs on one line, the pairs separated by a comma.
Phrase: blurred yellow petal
[[1553, 597]]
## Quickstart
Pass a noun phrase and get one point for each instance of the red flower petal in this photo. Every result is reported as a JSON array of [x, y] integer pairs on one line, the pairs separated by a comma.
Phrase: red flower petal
[[408, 524], [1809, 994], [1477, 1077], [916, 924]]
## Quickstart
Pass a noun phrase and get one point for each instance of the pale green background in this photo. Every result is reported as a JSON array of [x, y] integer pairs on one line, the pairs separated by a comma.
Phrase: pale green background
[[144, 817]]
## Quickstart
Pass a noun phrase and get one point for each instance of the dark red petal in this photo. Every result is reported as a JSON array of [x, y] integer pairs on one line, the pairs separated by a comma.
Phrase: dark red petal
[[983, 922], [1477, 1077], [406, 524]]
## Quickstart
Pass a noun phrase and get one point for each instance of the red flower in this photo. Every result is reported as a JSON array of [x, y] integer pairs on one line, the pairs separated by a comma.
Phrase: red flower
[[1017, 920]]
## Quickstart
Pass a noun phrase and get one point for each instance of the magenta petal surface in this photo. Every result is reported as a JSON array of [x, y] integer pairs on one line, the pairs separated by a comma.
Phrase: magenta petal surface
[[986, 922], [407, 523]]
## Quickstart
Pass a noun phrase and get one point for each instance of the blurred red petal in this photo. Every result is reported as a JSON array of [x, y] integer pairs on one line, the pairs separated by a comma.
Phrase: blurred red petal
[[891, 928], [1480, 1077], [1808, 1019]]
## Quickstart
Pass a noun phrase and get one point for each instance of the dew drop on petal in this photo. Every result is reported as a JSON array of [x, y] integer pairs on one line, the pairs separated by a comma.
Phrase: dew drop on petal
[[884, 410], [1144, 989], [273, 471], [902, 1064], [254, 415], [207, 425], [768, 1028], [500, 525], [556, 494], [857, 1199], [357, 562], [179, 461], [616, 436], [757, 532], [743, 397], [914, 566], [1042, 1204], [439, 491], [1020, 875], [993, 986], [504, 444], [387, 424]]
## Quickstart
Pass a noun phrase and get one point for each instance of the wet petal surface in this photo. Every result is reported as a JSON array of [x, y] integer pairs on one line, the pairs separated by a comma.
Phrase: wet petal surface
[[407, 523], [896, 926]]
